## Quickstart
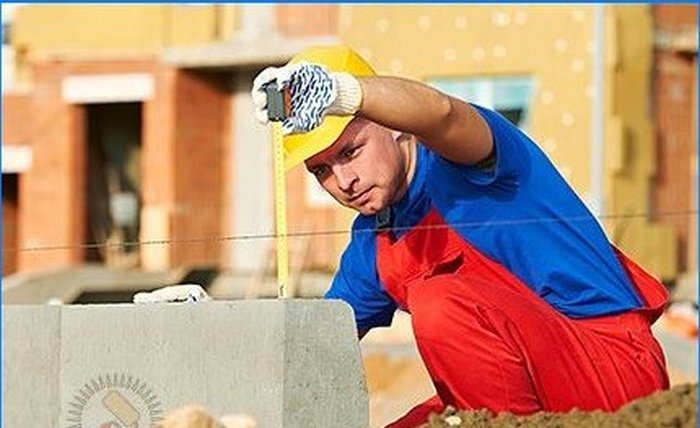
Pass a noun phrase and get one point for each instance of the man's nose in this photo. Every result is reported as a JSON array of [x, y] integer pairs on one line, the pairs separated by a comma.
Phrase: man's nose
[[344, 176]]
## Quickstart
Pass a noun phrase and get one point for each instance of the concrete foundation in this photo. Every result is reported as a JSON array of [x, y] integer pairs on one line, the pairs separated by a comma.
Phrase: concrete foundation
[[287, 363]]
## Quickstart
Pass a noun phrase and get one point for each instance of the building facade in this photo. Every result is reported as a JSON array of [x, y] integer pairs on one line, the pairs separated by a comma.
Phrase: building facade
[[675, 110], [148, 136]]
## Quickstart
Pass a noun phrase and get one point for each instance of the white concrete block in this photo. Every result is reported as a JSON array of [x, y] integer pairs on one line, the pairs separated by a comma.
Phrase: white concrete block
[[30, 366], [287, 363]]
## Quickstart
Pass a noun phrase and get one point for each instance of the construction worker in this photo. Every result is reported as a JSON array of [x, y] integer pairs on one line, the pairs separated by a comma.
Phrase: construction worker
[[518, 301]]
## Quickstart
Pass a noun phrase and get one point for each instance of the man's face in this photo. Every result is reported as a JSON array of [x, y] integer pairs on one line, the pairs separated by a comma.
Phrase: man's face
[[364, 169]]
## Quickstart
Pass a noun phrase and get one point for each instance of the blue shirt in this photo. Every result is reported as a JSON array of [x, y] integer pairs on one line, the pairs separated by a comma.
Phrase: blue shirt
[[522, 214]]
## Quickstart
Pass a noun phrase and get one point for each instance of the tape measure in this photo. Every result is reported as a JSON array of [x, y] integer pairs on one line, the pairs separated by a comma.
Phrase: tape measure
[[276, 114], [280, 213]]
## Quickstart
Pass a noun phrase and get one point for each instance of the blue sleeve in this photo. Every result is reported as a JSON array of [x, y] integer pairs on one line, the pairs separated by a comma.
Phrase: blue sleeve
[[357, 281], [510, 149]]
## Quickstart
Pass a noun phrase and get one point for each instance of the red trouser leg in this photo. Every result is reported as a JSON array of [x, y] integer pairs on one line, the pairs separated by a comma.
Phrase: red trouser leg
[[503, 348], [419, 414]]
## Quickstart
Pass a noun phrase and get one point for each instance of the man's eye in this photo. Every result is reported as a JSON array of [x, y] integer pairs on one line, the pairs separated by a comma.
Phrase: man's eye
[[319, 171], [350, 152]]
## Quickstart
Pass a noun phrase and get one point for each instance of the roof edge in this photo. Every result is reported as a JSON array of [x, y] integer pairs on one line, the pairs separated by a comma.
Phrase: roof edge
[[243, 52]]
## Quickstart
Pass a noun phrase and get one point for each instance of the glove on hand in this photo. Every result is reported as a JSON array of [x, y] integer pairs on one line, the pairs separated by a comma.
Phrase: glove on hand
[[314, 91], [175, 293]]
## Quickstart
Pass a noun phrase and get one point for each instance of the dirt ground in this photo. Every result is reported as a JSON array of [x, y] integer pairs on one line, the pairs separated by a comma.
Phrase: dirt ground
[[677, 407]]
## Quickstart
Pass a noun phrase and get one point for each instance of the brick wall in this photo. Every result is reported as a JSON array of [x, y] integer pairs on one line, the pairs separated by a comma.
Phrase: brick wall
[[672, 16], [16, 118], [201, 112], [307, 20], [181, 166], [51, 198], [674, 143], [158, 178], [674, 114], [16, 129]]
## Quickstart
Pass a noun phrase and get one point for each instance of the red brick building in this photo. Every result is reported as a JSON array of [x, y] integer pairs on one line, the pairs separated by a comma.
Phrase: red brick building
[[180, 122], [168, 139], [676, 111]]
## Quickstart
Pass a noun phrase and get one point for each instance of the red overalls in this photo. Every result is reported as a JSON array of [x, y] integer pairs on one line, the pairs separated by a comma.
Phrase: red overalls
[[488, 341]]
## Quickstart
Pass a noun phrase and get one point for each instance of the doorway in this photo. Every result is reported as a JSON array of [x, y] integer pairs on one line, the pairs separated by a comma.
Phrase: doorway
[[113, 183], [10, 223]]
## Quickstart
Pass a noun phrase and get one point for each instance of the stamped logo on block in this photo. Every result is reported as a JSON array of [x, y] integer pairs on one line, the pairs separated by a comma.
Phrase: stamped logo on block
[[114, 401]]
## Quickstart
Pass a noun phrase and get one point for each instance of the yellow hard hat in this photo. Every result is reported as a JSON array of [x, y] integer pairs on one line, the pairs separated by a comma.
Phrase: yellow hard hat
[[299, 147]]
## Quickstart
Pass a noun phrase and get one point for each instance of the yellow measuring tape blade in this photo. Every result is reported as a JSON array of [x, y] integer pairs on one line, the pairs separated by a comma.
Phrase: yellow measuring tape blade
[[280, 212]]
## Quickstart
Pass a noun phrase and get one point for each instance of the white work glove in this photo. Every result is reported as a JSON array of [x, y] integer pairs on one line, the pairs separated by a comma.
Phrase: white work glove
[[314, 91], [173, 294]]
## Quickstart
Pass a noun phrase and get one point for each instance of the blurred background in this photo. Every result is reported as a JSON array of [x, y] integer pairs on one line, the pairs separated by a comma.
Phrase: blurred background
[[131, 158]]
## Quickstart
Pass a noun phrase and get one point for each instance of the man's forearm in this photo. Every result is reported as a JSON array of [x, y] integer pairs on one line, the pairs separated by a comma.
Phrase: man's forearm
[[447, 125]]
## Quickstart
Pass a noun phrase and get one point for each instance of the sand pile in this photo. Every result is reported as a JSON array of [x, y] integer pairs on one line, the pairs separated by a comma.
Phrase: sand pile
[[677, 407]]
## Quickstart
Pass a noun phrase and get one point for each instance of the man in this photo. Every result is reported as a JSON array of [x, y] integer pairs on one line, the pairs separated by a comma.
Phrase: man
[[518, 301]]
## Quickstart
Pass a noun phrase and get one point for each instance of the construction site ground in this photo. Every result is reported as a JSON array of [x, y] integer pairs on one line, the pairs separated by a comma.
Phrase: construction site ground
[[676, 407]]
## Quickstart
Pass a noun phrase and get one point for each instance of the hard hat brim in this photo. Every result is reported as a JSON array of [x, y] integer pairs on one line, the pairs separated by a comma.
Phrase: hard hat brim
[[299, 147], [314, 141]]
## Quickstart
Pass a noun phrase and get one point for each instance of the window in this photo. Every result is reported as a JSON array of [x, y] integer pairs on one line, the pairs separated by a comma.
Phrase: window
[[508, 95]]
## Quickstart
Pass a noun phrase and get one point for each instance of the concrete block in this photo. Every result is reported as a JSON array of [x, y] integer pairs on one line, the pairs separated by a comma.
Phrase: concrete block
[[30, 366], [287, 363]]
